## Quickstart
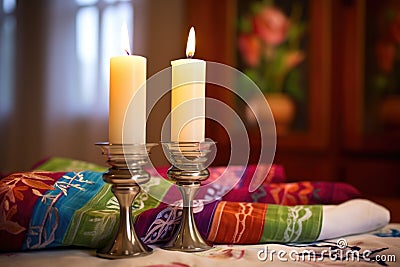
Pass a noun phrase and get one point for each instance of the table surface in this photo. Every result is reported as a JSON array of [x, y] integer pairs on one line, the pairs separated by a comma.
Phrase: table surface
[[386, 245]]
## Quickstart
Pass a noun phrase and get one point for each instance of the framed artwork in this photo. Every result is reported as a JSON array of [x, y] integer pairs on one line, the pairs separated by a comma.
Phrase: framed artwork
[[217, 33], [272, 51], [284, 47]]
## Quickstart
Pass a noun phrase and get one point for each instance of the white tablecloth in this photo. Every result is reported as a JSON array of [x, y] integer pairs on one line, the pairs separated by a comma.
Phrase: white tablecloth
[[385, 243]]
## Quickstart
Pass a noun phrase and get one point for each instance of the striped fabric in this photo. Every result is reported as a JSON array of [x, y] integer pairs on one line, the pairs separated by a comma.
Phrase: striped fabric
[[44, 209]]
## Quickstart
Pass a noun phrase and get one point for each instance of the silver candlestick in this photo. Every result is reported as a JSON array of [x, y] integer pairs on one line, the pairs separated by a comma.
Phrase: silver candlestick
[[188, 169], [125, 175]]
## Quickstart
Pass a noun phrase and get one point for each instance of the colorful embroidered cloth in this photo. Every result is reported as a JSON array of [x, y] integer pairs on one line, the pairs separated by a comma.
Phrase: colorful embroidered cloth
[[42, 209]]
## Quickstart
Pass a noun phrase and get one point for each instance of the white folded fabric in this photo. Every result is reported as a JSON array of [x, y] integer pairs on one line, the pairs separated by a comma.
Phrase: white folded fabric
[[352, 217]]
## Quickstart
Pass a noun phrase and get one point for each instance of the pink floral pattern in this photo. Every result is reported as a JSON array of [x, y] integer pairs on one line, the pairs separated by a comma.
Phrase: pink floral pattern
[[269, 43], [271, 25]]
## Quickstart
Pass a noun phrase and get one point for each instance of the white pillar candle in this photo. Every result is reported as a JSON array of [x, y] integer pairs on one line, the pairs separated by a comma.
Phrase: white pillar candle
[[188, 84], [127, 76]]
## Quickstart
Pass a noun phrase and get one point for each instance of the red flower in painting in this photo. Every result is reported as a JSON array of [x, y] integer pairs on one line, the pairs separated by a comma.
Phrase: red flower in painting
[[270, 46], [293, 58], [271, 25], [250, 47]]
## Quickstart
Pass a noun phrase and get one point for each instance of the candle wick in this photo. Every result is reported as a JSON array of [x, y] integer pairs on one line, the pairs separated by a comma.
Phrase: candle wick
[[190, 55], [127, 52]]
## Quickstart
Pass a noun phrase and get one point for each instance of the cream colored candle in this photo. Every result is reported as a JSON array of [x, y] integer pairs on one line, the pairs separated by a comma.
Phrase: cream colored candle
[[127, 76], [188, 86]]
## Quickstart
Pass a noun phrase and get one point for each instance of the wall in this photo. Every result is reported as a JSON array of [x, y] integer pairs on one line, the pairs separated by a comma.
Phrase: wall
[[34, 131]]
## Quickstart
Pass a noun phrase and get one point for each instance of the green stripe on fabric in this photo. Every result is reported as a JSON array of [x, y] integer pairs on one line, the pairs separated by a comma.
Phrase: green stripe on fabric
[[157, 187], [65, 164], [300, 223], [94, 224], [275, 223]]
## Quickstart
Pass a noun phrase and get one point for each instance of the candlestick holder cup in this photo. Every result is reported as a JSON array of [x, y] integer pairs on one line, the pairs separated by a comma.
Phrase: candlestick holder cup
[[188, 169], [125, 176]]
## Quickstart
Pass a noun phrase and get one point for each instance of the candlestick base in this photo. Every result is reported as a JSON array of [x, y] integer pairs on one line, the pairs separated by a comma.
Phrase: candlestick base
[[187, 171], [125, 175]]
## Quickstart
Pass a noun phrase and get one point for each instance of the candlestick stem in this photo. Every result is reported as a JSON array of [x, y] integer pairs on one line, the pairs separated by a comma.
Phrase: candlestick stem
[[125, 175], [187, 171]]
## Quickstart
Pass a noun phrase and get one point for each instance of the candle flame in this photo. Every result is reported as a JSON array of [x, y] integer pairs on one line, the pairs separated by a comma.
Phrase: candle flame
[[125, 45], [191, 43]]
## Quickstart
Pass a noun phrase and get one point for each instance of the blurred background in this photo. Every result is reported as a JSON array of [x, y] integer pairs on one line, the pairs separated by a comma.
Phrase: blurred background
[[332, 65]]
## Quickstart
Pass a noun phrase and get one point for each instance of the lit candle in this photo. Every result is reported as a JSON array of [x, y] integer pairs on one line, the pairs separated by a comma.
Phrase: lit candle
[[188, 96], [127, 76]]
